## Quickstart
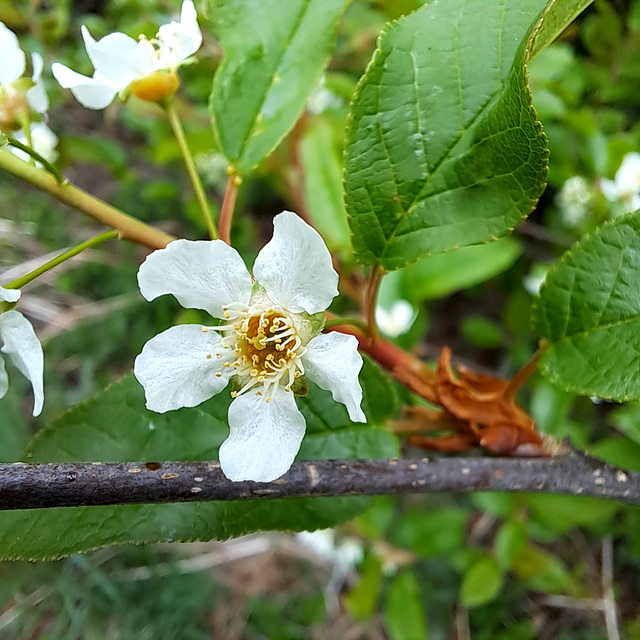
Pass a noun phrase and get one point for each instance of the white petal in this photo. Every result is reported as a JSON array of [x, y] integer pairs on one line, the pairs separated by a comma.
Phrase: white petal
[[295, 266], [264, 437], [25, 351], [93, 93], [628, 175], [37, 95], [118, 57], [13, 58], [9, 295], [178, 367], [634, 203], [179, 40], [332, 361], [206, 274], [4, 379], [44, 141], [609, 189], [396, 321]]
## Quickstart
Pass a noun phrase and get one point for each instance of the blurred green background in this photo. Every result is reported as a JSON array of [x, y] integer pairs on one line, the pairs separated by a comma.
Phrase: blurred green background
[[483, 566]]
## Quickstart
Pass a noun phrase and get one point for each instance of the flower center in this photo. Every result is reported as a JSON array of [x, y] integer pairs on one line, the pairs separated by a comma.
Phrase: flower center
[[263, 348]]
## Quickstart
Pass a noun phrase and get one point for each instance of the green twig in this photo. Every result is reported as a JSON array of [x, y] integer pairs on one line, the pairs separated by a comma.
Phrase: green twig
[[354, 322], [18, 283], [129, 228], [178, 131], [54, 171]]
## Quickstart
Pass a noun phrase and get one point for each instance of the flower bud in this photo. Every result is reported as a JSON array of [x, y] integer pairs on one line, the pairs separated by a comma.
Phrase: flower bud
[[156, 86], [14, 107]]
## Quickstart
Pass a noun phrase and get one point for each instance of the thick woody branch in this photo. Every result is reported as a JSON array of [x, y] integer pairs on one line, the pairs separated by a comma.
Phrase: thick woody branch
[[31, 486]]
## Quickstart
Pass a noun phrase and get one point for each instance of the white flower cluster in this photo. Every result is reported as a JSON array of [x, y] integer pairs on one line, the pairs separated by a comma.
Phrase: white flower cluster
[[268, 340], [21, 98], [143, 67]]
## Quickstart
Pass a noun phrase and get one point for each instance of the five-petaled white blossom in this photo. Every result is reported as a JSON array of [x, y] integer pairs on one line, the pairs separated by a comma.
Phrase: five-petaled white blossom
[[21, 346], [626, 184], [268, 339], [143, 67], [18, 96]]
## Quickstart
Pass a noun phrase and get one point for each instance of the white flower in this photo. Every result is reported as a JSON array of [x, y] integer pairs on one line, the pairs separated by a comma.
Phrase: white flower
[[146, 68], [343, 556], [322, 99], [626, 184], [267, 341], [397, 320], [573, 200], [43, 141], [21, 346], [18, 97], [535, 278]]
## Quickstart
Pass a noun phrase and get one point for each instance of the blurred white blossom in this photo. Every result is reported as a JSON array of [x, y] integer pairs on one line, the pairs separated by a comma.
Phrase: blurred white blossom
[[322, 99], [536, 276], [625, 187], [19, 96], [397, 320], [574, 200], [213, 168], [344, 556], [43, 141], [143, 67]]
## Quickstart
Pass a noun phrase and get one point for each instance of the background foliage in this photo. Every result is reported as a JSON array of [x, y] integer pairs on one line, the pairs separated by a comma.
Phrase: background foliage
[[483, 566]]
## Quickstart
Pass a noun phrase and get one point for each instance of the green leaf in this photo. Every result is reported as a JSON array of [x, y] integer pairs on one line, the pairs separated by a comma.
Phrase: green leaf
[[115, 426], [403, 613], [362, 599], [323, 185], [274, 54], [543, 571], [445, 273], [618, 451], [627, 419], [443, 146], [509, 540], [559, 16], [481, 331], [589, 313], [438, 532], [481, 582]]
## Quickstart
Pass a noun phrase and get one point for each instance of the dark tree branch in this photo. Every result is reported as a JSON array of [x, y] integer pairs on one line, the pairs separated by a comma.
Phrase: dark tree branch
[[32, 486]]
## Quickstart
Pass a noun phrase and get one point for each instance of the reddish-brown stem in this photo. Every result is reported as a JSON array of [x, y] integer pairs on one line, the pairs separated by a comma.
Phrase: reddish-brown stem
[[370, 302], [516, 383], [228, 205], [409, 371]]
